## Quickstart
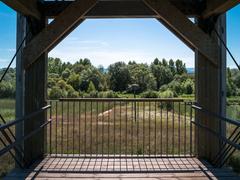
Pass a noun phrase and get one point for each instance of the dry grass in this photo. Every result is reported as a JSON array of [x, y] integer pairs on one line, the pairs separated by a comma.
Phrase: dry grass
[[109, 129]]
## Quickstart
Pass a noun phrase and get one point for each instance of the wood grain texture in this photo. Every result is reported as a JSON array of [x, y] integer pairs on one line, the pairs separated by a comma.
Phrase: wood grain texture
[[55, 31], [184, 28]]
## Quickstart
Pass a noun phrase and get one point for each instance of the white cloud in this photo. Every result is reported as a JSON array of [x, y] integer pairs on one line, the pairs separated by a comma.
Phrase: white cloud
[[8, 49], [106, 57]]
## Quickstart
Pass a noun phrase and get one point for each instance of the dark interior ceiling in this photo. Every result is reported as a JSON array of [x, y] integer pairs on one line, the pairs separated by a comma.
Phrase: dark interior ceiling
[[106, 8]]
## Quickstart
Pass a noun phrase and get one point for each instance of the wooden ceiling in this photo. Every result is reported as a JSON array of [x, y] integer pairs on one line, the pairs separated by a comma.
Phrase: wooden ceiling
[[124, 8]]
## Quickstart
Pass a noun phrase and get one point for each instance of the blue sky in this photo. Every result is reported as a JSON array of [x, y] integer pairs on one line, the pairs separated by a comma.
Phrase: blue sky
[[110, 40]]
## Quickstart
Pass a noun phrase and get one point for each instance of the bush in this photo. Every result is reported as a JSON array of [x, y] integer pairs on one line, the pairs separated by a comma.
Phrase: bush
[[7, 90], [91, 87], [188, 87], [108, 94], [149, 94], [234, 162], [93, 94], [166, 94], [56, 93]]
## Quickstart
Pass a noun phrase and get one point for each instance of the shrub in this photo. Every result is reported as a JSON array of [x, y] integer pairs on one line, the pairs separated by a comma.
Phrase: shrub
[[91, 87], [166, 94], [234, 162], [108, 94], [7, 90], [149, 94], [92, 94], [56, 93]]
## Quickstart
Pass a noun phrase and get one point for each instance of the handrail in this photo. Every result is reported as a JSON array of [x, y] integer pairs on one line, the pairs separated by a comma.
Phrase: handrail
[[231, 121], [7, 125], [228, 144], [125, 99], [237, 146], [14, 144]]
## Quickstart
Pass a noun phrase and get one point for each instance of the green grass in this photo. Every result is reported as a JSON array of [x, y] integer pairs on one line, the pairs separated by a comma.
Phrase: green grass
[[7, 110], [151, 130]]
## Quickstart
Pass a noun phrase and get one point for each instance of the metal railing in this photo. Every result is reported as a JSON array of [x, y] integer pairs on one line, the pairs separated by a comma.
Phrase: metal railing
[[11, 144], [120, 127], [229, 140]]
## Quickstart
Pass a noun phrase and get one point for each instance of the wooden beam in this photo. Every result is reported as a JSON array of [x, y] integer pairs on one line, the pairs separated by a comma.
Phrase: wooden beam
[[183, 28], [24, 7], [71, 16], [216, 7], [121, 9]]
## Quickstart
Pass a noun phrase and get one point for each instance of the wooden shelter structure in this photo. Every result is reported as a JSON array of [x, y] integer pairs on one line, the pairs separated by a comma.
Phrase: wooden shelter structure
[[205, 35]]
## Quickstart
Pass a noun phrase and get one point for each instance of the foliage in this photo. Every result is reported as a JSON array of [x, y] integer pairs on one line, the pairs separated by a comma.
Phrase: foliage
[[108, 94], [149, 94], [82, 79], [119, 76], [91, 87], [166, 94], [235, 162]]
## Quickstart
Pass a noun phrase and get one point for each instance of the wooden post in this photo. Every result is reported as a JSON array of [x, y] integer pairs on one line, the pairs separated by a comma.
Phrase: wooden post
[[35, 98], [21, 32], [211, 93]]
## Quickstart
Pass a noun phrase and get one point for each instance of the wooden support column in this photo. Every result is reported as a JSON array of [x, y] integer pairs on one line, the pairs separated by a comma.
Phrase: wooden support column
[[35, 98], [21, 33], [211, 92]]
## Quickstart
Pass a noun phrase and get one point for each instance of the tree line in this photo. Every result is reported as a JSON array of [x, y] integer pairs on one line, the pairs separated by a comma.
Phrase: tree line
[[82, 79], [161, 78]]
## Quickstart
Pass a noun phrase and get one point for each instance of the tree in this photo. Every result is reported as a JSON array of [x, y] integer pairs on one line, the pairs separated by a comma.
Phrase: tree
[[162, 74], [55, 65], [66, 73], [142, 75], [74, 81], [91, 87], [180, 67], [172, 66], [230, 85], [188, 87], [7, 90], [156, 61], [56, 93], [119, 76]]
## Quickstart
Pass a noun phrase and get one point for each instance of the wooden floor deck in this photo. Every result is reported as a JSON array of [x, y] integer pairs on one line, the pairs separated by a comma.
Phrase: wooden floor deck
[[122, 168]]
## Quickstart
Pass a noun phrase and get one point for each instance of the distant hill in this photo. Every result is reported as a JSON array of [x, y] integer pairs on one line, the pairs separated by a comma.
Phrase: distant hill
[[190, 70]]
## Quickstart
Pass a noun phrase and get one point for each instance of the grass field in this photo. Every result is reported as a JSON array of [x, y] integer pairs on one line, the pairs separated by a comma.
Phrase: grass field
[[115, 129], [7, 110]]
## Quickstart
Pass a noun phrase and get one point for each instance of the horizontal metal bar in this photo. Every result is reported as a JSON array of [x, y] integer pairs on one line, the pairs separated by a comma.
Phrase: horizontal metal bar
[[179, 170], [14, 144], [231, 121], [11, 123], [124, 99], [219, 136], [118, 156]]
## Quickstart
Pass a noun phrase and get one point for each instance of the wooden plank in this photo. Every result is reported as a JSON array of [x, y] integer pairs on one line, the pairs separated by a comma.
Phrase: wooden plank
[[184, 28], [35, 95], [19, 106], [212, 96], [71, 16], [25, 7], [106, 9], [216, 7], [120, 9], [43, 170]]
